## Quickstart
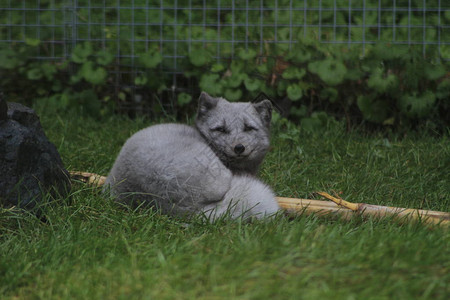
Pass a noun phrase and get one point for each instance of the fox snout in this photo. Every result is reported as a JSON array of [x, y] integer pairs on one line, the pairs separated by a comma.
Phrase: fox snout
[[239, 149]]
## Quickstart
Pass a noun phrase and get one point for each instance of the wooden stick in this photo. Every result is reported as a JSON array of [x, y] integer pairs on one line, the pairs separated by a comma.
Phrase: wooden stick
[[428, 216], [340, 201], [321, 208], [336, 206], [89, 178], [309, 206]]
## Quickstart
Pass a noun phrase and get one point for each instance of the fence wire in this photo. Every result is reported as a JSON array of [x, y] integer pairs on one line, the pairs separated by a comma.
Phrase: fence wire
[[132, 27]]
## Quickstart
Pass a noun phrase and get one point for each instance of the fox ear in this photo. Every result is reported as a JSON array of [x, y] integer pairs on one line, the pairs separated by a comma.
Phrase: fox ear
[[264, 109], [206, 103]]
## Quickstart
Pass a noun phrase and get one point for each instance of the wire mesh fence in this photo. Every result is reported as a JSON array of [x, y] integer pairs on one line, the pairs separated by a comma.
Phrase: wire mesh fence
[[130, 28]]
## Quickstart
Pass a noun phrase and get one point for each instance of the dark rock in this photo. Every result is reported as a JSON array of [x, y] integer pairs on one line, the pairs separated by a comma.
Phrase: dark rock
[[24, 115], [3, 109], [30, 165]]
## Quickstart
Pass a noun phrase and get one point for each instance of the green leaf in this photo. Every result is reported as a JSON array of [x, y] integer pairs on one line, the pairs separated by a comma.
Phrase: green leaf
[[216, 68], [32, 42], [417, 106], [252, 84], [140, 80], [262, 69], [283, 35], [34, 74], [122, 96], [150, 59], [233, 94], [48, 70], [237, 66], [381, 83], [200, 57], [354, 74], [294, 92], [9, 59], [74, 79], [329, 93], [387, 52], [268, 90], [183, 99], [64, 99], [434, 72], [299, 55], [93, 74], [247, 54], [331, 71], [63, 65], [373, 109], [81, 53], [57, 101], [104, 58], [447, 14], [316, 123], [443, 89], [57, 86], [41, 91], [299, 112], [210, 83], [293, 72], [234, 80]]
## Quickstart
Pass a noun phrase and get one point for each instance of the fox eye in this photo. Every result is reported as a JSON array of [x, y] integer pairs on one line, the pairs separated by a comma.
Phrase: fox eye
[[249, 128], [220, 129]]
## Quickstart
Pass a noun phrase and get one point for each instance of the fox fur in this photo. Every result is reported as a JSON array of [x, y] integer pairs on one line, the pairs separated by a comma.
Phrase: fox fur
[[208, 168]]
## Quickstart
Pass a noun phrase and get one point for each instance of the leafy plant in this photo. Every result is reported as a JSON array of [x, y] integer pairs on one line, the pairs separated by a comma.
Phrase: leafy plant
[[387, 85], [330, 70], [390, 86], [81, 82]]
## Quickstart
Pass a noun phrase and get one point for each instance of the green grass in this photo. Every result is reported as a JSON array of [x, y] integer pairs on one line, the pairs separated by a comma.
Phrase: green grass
[[92, 249]]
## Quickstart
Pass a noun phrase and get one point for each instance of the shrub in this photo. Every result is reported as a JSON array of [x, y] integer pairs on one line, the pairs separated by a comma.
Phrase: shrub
[[390, 86]]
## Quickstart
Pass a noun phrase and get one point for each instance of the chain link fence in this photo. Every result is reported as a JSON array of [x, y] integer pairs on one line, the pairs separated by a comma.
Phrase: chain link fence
[[131, 27]]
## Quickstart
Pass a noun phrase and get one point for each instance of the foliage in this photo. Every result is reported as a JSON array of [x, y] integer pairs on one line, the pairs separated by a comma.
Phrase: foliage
[[390, 85], [381, 84], [84, 81]]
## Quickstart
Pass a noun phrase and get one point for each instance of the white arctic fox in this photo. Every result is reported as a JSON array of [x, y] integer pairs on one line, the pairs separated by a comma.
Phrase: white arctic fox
[[207, 169]]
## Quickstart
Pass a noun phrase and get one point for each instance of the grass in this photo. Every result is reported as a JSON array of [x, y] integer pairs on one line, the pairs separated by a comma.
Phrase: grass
[[92, 249]]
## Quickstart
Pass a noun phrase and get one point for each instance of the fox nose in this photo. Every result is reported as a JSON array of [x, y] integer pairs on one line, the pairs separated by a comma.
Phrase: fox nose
[[239, 148]]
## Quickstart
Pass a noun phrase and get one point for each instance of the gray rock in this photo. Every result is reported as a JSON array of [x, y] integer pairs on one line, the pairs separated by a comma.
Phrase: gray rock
[[3, 109], [30, 166]]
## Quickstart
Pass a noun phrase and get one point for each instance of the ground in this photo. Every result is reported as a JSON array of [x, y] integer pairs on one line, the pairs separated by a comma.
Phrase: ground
[[89, 248]]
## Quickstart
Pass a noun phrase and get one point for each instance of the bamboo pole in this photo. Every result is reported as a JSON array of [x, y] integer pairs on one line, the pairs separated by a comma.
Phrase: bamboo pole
[[89, 178], [337, 206], [427, 216], [322, 208]]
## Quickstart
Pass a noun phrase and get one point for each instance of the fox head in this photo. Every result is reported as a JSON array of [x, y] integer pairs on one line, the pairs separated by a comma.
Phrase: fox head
[[237, 132]]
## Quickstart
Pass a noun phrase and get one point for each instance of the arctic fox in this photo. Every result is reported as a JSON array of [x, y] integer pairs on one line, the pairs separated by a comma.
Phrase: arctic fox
[[205, 169]]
